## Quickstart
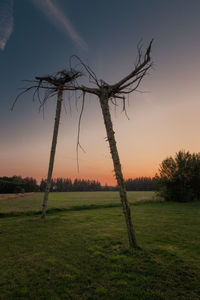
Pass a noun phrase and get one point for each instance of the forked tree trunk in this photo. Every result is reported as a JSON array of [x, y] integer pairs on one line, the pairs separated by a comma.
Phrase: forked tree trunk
[[53, 150], [117, 168]]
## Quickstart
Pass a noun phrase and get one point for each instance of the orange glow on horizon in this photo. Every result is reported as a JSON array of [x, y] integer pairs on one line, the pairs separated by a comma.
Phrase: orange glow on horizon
[[104, 178]]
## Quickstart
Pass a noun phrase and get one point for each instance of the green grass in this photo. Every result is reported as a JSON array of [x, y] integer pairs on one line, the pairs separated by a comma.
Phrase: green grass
[[84, 254], [69, 200]]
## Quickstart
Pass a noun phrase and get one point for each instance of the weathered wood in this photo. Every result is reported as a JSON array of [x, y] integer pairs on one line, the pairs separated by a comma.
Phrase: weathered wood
[[117, 167], [67, 81], [53, 150]]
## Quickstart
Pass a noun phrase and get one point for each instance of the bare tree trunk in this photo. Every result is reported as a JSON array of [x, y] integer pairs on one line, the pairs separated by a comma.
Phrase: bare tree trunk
[[117, 168], [53, 150]]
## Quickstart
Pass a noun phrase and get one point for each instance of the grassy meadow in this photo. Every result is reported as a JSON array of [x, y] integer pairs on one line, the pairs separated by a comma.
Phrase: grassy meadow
[[81, 250], [32, 202]]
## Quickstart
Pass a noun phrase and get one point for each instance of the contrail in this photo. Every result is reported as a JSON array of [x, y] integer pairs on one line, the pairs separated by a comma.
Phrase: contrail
[[6, 21], [60, 20]]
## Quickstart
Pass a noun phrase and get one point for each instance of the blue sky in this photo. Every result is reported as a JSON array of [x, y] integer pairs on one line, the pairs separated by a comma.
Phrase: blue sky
[[38, 37]]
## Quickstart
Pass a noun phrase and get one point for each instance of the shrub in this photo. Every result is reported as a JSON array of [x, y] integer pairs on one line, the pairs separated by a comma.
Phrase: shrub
[[179, 177]]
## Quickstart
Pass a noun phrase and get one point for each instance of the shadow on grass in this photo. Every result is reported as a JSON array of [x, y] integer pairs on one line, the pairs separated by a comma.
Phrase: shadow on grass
[[52, 211]]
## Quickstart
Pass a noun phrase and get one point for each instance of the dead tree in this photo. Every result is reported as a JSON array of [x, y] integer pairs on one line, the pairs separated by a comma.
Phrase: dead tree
[[110, 93], [106, 93], [59, 82], [53, 85]]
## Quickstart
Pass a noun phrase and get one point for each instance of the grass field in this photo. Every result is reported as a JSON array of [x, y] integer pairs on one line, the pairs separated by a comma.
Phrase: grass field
[[69, 201], [81, 251]]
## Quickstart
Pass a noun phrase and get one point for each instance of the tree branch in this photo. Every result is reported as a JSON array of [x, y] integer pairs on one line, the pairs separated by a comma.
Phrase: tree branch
[[79, 128], [138, 68]]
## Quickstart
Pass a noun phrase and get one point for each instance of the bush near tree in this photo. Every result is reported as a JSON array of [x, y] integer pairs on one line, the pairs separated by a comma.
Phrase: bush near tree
[[179, 177]]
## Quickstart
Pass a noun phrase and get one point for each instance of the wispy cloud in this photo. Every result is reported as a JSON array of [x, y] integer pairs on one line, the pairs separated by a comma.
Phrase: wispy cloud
[[55, 15], [6, 21]]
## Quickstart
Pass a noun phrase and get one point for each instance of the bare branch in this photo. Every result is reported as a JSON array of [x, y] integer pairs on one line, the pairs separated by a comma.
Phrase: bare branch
[[48, 95], [78, 136], [19, 95], [139, 77], [61, 78], [138, 68], [118, 97], [83, 88], [87, 68], [50, 84], [124, 109], [113, 100]]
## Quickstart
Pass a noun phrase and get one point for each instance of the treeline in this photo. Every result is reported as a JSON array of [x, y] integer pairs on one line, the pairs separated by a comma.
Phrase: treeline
[[140, 184], [67, 185], [17, 184]]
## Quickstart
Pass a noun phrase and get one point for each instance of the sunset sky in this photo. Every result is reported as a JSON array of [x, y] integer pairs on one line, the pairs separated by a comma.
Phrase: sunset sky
[[37, 37]]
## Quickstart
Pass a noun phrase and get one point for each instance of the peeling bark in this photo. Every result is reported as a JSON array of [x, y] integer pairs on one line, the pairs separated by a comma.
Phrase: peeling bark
[[117, 167], [53, 150]]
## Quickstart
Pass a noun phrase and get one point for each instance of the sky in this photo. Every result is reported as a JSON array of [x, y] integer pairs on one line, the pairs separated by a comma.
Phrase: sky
[[37, 37]]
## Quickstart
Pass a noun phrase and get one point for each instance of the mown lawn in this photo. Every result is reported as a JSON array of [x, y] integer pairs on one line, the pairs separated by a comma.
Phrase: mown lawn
[[83, 253]]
